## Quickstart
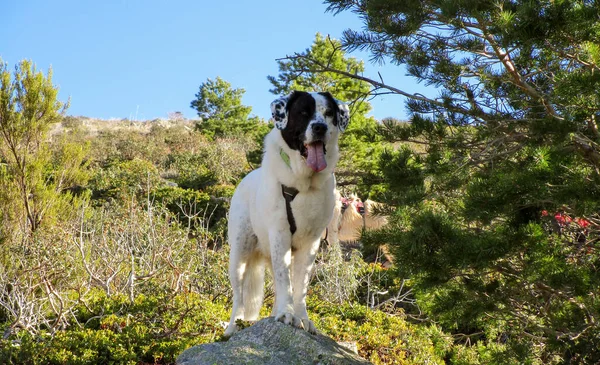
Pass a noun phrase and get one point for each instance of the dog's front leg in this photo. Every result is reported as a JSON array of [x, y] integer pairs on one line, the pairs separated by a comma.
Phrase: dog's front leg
[[281, 260], [302, 266]]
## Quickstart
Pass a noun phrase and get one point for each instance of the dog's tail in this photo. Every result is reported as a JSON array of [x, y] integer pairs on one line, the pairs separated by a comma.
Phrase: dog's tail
[[253, 286]]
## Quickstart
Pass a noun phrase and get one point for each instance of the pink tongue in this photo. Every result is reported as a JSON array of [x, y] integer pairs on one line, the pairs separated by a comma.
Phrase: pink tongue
[[316, 157]]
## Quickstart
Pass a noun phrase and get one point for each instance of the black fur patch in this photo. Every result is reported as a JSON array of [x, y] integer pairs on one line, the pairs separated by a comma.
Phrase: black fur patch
[[332, 105], [301, 108]]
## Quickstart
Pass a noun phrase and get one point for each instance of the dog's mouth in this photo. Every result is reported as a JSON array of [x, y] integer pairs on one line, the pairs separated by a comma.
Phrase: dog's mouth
[[314, 153]]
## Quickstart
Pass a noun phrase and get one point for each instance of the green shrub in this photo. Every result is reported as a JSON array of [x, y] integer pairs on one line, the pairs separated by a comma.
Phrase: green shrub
[[123, 180], [221, 191], [157, 328], [71, 122], [381, 338], [337, 279], [190, 170], [153, 329], [182, 202]]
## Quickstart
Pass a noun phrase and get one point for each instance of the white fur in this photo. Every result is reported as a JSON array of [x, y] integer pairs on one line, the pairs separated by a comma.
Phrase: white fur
[[259, 232]]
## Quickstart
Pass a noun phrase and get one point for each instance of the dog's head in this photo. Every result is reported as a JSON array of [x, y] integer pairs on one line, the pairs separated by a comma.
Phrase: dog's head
[[309, 122]]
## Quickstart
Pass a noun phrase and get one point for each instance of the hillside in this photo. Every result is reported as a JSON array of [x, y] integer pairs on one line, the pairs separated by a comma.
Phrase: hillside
[[94, 126]]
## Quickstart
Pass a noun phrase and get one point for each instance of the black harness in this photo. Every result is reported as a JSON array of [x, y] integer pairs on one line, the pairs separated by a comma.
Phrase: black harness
[[289, 194]]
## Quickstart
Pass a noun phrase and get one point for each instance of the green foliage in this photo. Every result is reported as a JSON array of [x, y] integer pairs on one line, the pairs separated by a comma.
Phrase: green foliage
[[124, 250], [29, 105], [382, 338], [223, 117], [222, 113], [337, 277], [357, 168], [328, 51], [217, 100], [190, 171], [222, 162], [495, 210], [152, 329], [123, 180], [34, 179], [155, 144], [203, 213], [167, 164], [132, 145], [177, 199], [156, 328]]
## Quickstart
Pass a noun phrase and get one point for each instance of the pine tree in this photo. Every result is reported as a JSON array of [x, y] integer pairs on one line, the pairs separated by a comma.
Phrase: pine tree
[[222, 113], [35, 179], [497, 218]]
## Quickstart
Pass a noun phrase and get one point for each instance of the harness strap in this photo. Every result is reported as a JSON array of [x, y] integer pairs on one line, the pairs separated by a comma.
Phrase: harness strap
[[289, 194]]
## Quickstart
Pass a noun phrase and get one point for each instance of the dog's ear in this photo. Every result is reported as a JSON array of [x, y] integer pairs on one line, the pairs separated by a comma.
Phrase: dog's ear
[[343, 115], [279, 111]]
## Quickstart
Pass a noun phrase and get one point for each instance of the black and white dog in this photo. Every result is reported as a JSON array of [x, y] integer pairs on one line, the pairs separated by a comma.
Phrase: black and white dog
[[279, 211]]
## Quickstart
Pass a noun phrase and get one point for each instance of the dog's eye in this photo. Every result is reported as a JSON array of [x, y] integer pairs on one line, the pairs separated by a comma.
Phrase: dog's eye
[[329, 113]]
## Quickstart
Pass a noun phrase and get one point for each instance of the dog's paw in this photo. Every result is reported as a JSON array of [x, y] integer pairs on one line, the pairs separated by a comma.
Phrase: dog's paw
[[302, 323], [289, 318], [309, 326], [231, 329]]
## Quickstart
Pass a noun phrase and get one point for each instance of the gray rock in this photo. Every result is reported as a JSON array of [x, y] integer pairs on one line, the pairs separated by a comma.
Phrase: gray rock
[[273, 343]]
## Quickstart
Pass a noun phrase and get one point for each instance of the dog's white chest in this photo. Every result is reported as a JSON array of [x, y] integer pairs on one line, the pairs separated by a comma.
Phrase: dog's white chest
[[312, 211]]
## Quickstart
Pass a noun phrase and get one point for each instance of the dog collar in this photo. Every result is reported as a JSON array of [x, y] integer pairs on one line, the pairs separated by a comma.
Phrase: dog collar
[[285, 157]]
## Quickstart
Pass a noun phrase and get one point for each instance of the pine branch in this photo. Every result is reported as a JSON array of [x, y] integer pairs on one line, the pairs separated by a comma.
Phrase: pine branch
[[322, 68]]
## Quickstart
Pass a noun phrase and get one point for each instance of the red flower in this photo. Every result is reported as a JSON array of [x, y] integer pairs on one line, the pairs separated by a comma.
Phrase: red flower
[[562, 219], [583, 223]]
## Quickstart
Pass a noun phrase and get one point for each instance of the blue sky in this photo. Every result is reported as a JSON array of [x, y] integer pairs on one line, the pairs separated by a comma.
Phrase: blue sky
[[146, 58]]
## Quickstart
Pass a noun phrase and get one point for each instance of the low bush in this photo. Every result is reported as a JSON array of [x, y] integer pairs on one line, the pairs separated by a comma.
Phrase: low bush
[[112, 330], [155, 329], [122, 180]]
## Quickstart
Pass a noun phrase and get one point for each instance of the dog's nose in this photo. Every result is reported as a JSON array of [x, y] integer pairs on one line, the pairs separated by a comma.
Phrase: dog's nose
[[319, 129]]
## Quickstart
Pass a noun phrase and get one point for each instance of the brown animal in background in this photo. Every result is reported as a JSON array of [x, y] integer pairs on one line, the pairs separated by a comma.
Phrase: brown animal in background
[[355, 215], [350, 216]]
